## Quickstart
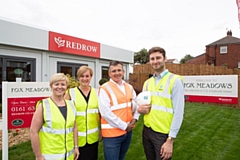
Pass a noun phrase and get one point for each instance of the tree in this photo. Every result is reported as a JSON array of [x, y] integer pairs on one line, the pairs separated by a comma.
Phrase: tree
[[141, 56], [185, 58]]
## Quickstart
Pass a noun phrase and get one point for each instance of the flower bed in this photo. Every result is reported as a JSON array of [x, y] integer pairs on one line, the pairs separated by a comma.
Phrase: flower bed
[[16, 136]]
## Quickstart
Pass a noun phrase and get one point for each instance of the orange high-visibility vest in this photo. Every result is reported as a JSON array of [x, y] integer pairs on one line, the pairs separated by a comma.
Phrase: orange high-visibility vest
[[120, 106]]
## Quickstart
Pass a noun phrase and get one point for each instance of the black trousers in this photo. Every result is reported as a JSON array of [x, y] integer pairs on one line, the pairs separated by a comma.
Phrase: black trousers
[[152, 143], [89, 152]]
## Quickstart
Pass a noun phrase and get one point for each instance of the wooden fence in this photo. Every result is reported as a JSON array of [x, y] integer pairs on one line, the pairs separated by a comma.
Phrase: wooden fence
[[141, 73]]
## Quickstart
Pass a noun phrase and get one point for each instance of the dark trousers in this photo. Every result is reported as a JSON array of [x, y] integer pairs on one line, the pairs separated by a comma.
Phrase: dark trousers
[[89, 152], [152, 143]]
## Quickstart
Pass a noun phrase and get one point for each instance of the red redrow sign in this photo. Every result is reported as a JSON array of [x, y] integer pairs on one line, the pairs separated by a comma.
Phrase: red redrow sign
[[72, 45]]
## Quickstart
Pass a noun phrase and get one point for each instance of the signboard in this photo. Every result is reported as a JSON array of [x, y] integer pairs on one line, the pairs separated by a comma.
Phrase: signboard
[[72, 45], [18, 71], [18, 106], [217, 89], [20, 111], [21, 101]]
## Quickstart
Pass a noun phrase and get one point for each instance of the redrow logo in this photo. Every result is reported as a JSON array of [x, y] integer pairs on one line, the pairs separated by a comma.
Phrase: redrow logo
[[59, 41], [74, 45]]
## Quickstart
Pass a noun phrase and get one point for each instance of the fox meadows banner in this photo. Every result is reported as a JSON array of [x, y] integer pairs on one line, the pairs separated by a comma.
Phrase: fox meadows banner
[[19, 101], [18, 106], [216, 89]]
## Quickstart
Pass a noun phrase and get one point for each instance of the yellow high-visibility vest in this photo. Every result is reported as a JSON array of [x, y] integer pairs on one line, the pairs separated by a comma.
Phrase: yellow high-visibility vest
[[88, 120], [160, 116], [56, 134]]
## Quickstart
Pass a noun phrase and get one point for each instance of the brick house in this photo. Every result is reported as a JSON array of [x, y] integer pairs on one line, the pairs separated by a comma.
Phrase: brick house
[[223, 52], [200, 59], [171, 61]]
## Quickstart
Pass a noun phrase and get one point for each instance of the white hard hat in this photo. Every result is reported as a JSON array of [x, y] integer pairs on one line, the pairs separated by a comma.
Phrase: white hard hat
[[144, 98]]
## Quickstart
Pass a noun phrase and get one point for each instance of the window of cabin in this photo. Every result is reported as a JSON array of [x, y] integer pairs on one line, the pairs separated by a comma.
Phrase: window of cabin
[[223, 49], [238, 64], [105, 72]]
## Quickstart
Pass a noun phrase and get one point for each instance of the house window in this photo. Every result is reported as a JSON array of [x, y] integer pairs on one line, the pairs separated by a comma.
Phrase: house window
[[223, 49], [238, 64]]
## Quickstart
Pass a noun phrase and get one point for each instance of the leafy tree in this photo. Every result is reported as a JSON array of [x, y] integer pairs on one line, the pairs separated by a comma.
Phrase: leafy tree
[[185, 58], [141, 56]]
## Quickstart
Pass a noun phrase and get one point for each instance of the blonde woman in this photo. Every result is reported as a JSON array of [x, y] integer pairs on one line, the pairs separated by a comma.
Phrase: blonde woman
[[53, 129], [86, 103]]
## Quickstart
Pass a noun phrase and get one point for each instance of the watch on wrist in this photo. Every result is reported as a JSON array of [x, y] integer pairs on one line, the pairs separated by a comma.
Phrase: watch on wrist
[[170, 138]]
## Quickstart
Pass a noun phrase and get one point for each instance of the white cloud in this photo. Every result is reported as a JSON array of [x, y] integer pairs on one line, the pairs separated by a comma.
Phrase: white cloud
[[181, 27]]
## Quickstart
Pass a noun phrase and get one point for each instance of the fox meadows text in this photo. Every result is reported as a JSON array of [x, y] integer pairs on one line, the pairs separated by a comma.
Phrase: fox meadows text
[[35, 89], [208, 85]]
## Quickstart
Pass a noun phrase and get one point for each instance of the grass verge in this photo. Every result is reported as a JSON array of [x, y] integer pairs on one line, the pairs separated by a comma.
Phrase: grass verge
[[208, 132]]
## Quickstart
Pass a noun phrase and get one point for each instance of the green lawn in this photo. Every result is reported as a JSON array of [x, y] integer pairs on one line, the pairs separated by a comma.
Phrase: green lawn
[[208, 133]]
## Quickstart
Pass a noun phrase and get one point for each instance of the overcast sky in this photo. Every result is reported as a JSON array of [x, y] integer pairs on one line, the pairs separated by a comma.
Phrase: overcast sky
[[179, 26]]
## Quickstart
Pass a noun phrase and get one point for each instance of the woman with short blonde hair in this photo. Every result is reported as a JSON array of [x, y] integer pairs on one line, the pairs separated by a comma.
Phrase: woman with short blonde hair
[[53, 129]]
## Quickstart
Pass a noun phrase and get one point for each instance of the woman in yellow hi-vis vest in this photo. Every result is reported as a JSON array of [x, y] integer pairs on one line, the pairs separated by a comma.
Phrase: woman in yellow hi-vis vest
[[53, 128], [88, 121]]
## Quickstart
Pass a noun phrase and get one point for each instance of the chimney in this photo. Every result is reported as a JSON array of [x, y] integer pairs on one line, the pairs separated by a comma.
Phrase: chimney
[[229, 33]]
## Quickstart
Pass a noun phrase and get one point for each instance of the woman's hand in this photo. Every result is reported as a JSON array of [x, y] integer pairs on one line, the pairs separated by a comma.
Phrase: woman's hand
[[100, 136], [76, 153], [40, 157]]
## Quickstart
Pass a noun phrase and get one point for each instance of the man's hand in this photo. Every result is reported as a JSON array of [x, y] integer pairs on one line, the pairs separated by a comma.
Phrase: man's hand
[[144, 109], [166, 149], [129, 127], [133, 121]]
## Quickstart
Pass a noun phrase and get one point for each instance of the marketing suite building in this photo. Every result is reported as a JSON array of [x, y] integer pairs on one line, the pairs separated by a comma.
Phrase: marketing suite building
[[31, 54]]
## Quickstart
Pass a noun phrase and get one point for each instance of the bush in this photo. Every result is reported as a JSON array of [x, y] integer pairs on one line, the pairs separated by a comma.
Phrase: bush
[[102, 81], [73, 82]]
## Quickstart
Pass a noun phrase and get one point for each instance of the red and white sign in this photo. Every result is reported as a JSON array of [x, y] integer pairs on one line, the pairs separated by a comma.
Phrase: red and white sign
[[20, 111], [72, 45], [18, 106], [216, 89], [20, 99]]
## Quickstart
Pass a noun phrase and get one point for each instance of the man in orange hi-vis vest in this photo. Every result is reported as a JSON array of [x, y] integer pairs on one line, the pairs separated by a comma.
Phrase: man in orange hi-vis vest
[[117, 119]]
